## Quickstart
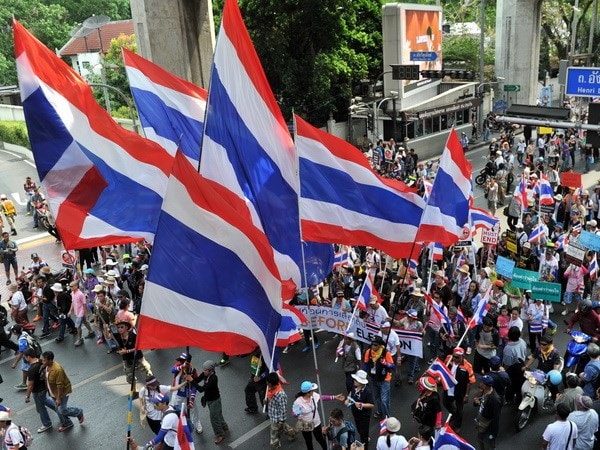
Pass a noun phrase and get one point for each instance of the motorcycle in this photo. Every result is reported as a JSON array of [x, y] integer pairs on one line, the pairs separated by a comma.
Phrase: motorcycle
[[490, 171], [576, 348], [41, 210], [536, 397]]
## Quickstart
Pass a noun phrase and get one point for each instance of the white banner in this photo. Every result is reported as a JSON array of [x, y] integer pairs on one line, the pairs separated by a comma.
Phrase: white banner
[[336, 321]]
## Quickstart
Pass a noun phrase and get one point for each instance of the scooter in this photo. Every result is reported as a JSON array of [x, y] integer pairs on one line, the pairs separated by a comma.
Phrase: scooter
[[536, 397], [576, 348]]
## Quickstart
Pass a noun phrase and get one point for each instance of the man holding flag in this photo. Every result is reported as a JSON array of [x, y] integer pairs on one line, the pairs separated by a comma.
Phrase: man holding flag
[[454, 398]]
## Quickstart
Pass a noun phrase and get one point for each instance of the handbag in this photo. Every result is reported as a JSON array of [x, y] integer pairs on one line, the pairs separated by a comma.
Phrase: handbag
[[482, 424], [307, 425]]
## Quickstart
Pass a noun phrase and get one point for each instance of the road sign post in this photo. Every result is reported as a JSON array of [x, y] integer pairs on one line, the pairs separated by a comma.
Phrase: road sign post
[[512, 87]]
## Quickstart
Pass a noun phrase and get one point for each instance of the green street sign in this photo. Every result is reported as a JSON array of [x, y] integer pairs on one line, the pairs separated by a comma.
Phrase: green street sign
[[522, 278], [545, 291], [512, 87]]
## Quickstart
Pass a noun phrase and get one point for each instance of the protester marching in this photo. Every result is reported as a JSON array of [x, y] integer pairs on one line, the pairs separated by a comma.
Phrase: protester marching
[[422, 293]]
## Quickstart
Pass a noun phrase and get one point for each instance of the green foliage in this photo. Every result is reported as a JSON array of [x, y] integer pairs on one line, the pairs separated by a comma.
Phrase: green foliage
[[79, 10], [14, 133]]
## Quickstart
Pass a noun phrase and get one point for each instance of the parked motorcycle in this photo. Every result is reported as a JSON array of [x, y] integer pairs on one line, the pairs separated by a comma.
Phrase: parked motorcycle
[[576, 348], [536, 397], [41, 210]]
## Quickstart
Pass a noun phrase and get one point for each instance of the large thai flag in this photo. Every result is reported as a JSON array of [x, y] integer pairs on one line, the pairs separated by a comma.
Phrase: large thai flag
[[248, 149], [481, 218], [191, 296], [170, 108], [441, 372], [289, 330], [447, 211], [104, 184], [185, 440], [449, 440], [343, 200], [544, 191]]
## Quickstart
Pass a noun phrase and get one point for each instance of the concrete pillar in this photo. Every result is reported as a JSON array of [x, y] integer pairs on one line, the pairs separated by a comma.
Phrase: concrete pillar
[[178, 35], [518, 26]]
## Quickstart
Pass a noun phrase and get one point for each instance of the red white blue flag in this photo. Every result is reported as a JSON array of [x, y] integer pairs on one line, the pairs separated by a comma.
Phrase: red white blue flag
[[289, 330], [481, 311], [201, 240], [248, 149], [343, 200], [362, 301], [449, 440], [520, 193], [436, 251], [537, 233], [340, 259], [185, 440], [104, 184], [170, 108], [593, 267], [447, 211], [482, 219], [440, 371], [544, 191]]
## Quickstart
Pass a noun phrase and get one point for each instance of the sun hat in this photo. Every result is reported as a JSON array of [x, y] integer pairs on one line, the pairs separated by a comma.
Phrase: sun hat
[[428, 383], [412, 313], [392, 424], [98, 288], [308, 386], [378, 340], [4, 416], [88, 271], [57, 287], [372, 300], [360, 376], [464, 268], [110, 262], [144, 267], [459, 351]]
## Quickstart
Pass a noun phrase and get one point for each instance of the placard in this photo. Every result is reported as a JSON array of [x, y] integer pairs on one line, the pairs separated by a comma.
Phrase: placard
[[522, 278], [464, 244], [589, 240], [547, 209], [511, 241], [545, 130], [504, 266], [546, 291], [489, 237], [574, 254], [570, 179]]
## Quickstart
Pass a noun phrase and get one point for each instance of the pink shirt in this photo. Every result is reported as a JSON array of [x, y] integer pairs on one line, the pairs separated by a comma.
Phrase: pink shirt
[[79, 303]]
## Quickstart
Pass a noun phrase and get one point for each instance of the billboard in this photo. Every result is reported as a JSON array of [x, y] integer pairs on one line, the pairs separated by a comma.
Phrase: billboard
[[412, 35]]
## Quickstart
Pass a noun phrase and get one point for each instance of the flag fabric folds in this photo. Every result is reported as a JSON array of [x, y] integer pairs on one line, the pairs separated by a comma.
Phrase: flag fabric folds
[[593, 267], [104, 184], [481, 311], [436, 251], [440, 371], [449, 440], [340, 259], [447, 211], [185, 440], [482, 219], [207, 239], [363, 299], [247, 148], [170, 108], [544, 191], [520, 193], [537, 233], [289, 330], [343, 200]]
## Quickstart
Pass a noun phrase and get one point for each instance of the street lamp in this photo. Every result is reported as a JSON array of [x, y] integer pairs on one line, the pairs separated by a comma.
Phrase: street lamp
[[124, 97], [394, 97], [479, 93]]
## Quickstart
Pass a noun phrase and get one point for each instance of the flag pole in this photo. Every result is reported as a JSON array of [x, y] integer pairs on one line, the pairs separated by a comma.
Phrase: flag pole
[[310, 325], [271, 369]]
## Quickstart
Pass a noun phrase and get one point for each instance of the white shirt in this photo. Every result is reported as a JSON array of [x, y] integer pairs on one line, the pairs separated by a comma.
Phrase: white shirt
[[516, 323], [378, 315], [145, 395], [170, 422], [397, 442], [392, 343], [557, 435], [13, 436], [18, 300]]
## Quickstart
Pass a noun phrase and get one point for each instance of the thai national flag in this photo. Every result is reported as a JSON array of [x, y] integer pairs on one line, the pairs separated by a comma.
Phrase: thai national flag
[[383, 425], [593, 268], [544, 191], [427, 187], [340, 259], [440, 371], [460, 316], [537, 233], [482, 219], [520, 193], [362, 301], [436, 251], [248, 149], [482, 309], [436, 309], [462, 259], [291, 321], [199, 227], [447, 211], [171, 109], [449, 440], [104, 184], [184, 440], [562, 241], [343, 200]]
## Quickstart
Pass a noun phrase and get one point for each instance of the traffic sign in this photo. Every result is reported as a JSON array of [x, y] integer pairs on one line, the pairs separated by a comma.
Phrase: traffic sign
[[583, 82], [512, 87], [68, 257], [423, 56], [500, 105]]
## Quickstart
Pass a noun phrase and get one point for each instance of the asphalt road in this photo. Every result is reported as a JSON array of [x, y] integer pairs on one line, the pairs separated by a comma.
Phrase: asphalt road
[[100, 388]]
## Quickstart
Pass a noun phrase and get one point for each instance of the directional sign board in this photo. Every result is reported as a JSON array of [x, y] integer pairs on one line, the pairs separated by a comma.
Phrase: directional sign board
[[512, 87], [583, 81], [423, 56]]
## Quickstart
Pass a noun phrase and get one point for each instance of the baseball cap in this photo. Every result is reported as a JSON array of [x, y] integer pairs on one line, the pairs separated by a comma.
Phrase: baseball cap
[[160, 398], [308, 386], [487, 380]]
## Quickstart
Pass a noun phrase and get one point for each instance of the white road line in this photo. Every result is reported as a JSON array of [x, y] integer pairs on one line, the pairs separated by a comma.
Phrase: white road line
[[32, 238], [253, 432], [25, 160], [81, 383]]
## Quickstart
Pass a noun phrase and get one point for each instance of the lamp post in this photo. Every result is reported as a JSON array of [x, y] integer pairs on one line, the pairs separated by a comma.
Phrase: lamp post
[[376, 106], [124, 97]]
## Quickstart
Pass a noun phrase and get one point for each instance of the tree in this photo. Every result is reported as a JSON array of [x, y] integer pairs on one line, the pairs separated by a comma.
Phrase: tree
[[78, 10], [47, 22]]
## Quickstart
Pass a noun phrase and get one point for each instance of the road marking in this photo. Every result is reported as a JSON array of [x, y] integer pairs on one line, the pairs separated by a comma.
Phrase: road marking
[[81, 383], [25, 160], [41, 236], [254, 431], [17, 198]]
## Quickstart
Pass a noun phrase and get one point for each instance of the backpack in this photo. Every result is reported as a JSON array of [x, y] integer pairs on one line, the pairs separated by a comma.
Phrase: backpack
[[3, 316], [350, 428], [34, 344], [26, 435]]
